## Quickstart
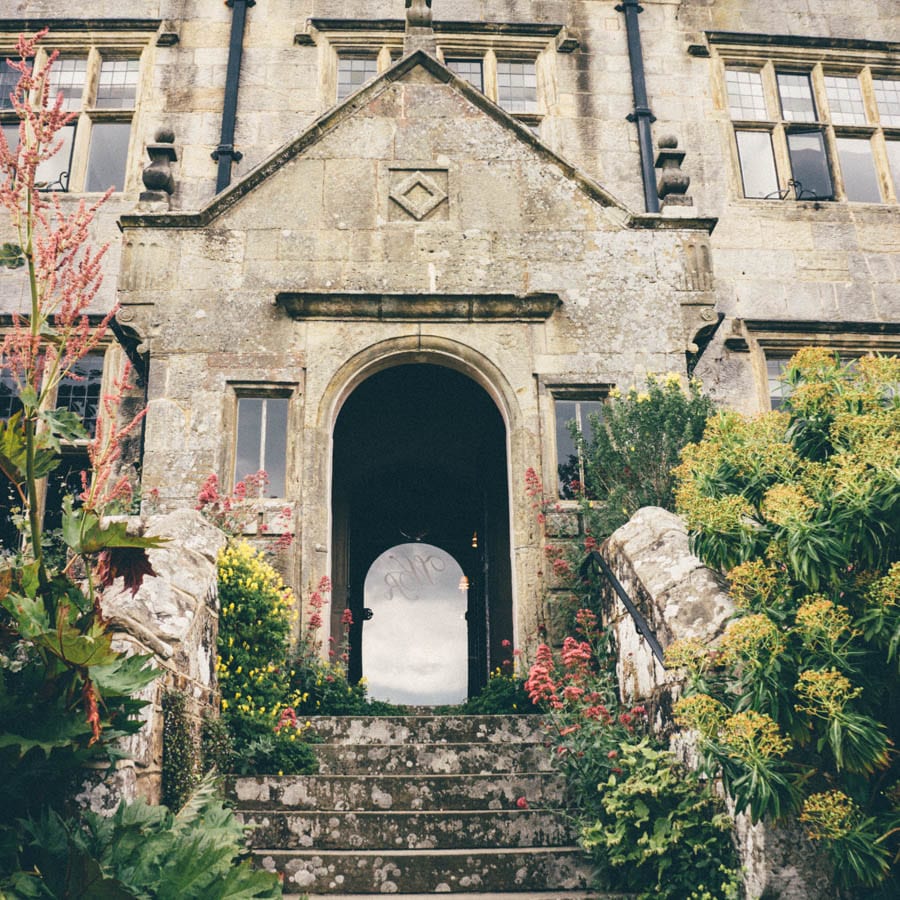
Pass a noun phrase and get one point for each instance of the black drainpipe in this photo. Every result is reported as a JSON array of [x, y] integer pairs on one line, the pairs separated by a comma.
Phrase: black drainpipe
[[225, 154], [641, 115]]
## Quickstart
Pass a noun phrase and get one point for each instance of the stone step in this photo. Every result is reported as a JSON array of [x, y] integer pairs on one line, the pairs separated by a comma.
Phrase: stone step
[[506, 895], [433, 830], [396, 792], [427, 729], [430, 759], [323, 872]]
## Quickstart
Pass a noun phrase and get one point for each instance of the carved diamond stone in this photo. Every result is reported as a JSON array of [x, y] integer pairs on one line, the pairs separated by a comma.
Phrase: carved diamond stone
[[418, 195]]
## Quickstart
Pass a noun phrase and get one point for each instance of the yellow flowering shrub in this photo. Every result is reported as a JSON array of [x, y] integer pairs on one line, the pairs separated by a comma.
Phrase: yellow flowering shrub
[[256, 614], [801, 508]]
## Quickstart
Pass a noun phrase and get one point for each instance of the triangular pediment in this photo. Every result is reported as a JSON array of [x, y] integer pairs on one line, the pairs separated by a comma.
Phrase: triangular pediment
[[389, 96]]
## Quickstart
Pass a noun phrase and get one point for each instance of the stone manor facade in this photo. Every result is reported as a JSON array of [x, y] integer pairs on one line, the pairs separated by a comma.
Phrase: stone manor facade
[[387, 250]]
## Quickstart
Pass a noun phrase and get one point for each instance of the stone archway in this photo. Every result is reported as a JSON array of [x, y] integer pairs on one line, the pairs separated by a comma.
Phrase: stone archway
[[420, 457]]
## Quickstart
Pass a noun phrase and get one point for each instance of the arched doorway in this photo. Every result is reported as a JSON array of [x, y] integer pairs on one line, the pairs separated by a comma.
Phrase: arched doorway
[[420, 459]]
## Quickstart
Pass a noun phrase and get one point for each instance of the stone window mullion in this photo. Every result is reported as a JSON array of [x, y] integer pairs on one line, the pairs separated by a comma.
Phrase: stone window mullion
[[490, 75]]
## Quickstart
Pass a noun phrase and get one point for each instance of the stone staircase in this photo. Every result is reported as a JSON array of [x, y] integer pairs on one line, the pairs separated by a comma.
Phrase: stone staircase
[[419, 805]]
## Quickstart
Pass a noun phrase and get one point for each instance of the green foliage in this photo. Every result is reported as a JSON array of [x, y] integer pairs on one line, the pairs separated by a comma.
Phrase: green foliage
[[258, 702], [256, 610], [179, 762], [216, 750], [633, 447], [650, 825], [142, 852], [801, 702], [277, 753], [660, 831], [504, 694]]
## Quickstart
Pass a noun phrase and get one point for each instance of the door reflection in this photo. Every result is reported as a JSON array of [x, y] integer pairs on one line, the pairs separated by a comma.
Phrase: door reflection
[[415, 646]]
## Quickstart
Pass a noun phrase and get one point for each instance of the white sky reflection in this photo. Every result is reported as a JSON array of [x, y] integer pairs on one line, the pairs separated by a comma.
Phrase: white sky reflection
[[415, 647]]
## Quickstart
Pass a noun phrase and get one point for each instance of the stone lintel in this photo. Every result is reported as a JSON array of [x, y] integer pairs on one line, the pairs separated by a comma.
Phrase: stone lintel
[[654, 222], [448, 307]]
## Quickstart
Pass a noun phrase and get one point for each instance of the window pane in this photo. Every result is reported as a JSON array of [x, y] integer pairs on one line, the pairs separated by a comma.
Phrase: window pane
[[108, 156], [470, 69], [796, 97], [778, 391], [8, 80], [248, 458], [117, 87], [566, 452], [10, 539], [757, 164], [588, 411], [262, 440], [64, 482], [858, 169], [53, 174], [845, 100], [9, 396], [893, 152], [11, 133], [517, 86], [809, 165], [67, 78], [80, 392], [887, 96], [745, 94], [276, 444], [353, 72]]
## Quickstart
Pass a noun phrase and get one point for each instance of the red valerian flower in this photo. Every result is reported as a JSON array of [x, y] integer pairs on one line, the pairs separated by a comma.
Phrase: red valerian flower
[[522, 803]]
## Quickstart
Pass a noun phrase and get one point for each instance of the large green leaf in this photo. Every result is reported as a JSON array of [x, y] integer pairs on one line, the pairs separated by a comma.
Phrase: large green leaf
[[47, 735], [29, 614], [11, 256], [77, 647], [63, 424], [84, 532], [124, 677]]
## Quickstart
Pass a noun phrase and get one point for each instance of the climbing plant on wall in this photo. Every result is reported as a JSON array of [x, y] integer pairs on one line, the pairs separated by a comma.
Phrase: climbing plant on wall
[[799, 706]]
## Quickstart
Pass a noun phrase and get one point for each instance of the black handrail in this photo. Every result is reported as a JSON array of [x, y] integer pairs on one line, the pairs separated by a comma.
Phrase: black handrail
[[642, 626]]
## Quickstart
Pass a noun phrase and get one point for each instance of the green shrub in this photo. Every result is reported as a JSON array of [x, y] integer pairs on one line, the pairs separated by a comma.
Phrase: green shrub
[[255, 614], [143, 852], [179, 761], [660, 831], [650, 825], [633, 447], [504, 694], [216, 750], [800, 706]]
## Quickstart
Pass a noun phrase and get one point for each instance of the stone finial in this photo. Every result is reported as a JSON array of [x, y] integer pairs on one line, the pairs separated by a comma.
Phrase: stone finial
[[419, 31], [157, 177], [673, 182]]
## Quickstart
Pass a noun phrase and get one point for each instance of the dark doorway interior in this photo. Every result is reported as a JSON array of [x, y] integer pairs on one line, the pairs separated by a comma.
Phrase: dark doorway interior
[[420, 454]]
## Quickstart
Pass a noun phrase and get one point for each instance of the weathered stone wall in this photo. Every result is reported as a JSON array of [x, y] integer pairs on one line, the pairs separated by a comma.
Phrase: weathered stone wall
[[634, 289], [174, 617], [681, 598]]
